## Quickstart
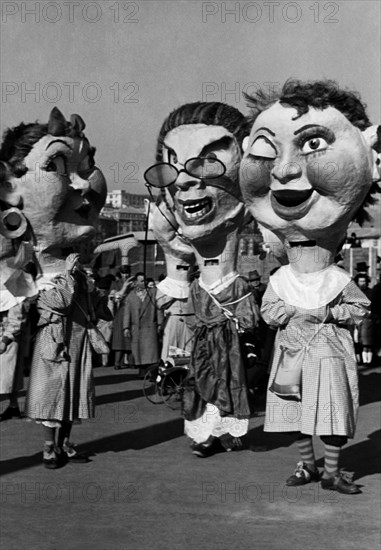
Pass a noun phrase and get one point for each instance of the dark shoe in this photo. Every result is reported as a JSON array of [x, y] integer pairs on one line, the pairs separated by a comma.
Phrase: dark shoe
[[73, 456], [203, 450], [342, 483], [10, 412], [303, 474], [56, 459], [231, 443]]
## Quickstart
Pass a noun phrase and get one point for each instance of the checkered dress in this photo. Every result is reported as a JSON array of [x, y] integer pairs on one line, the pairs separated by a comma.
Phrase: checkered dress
[[61, 383], [11, 372], [329, 372]]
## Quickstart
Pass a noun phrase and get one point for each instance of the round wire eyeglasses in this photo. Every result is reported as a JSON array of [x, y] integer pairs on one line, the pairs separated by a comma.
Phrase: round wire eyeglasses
[[164, 174]]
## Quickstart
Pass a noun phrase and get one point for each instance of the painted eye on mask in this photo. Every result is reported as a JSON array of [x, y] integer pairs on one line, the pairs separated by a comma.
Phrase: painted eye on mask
[[57, 165], [314, 144], [263, 149], [172, 157]]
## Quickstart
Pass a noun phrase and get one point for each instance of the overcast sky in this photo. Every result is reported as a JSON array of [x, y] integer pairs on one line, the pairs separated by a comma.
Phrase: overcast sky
[[123, 66]]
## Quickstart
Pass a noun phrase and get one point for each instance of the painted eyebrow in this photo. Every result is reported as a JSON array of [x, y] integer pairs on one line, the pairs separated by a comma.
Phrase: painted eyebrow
[[217, 143], [309, 126], [267, 130], [58, 141]]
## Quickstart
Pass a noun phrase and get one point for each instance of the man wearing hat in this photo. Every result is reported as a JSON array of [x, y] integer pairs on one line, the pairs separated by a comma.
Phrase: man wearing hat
[[256, 286], [361, 267]]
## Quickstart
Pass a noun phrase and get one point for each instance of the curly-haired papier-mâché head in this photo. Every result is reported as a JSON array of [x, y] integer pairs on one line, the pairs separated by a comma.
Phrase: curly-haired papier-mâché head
[[320, 95]]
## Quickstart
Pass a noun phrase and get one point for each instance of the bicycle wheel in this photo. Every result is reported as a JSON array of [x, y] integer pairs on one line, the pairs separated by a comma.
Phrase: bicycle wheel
[[172, 387], [152, 385]]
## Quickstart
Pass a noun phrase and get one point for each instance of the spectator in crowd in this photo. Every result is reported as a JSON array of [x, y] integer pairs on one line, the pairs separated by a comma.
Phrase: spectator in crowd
[[104, 285], [150, 283], [61, 387], [376, 313], [121, 344], [354, 241], [364, 333], [258, 288], [140, 324]]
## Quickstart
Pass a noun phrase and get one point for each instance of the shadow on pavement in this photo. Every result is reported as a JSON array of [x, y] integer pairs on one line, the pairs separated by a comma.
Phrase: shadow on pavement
[[260, 441], [20, 463], [364, 458], [369, 388], [116, 378], [136, 439], [116, 397]]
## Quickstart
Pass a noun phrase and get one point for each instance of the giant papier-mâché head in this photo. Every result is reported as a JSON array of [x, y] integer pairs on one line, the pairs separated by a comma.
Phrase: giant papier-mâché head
[[51, 192], [198, 156], [311, 162]]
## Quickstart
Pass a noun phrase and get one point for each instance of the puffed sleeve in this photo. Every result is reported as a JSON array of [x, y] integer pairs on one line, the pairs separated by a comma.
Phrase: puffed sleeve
[[163, 301], [352, 308], [273, 308], [58, 297]]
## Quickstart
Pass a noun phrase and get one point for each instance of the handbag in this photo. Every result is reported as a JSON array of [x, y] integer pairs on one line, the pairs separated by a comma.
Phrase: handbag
[[287, 382], [96, 338]]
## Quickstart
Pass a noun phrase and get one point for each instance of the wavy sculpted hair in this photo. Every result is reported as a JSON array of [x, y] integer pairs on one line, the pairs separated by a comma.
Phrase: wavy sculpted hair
[[209, 113]]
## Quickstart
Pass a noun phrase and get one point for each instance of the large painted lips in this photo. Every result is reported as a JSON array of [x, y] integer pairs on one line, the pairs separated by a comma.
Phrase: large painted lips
[[291, 204], [195, 210]]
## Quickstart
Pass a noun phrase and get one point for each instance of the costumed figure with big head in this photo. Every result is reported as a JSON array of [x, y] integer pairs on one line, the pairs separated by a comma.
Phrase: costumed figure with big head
[[309, 168], [51, 193], [172, 296], [198, 156]]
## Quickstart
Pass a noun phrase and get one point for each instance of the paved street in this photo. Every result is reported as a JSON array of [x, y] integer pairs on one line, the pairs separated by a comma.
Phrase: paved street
[[144, 489]]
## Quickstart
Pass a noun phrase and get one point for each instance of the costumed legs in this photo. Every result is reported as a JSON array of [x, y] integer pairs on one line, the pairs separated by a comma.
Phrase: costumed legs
[[331, 478]]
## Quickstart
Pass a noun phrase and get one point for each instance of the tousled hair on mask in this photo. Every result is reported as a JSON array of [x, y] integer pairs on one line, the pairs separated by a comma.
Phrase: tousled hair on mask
[[209, 113], [318, 94], [20, 140]]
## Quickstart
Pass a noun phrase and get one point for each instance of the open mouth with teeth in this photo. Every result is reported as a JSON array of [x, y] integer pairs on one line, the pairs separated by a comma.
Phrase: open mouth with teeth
[[196, 209]]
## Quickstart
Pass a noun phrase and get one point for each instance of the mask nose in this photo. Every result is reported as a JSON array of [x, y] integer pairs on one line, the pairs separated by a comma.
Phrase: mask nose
[[287, 171], [185, 181]]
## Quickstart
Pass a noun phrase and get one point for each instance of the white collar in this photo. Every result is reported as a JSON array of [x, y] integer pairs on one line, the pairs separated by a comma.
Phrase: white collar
[[174, 288], [221, 284], [309, 290]]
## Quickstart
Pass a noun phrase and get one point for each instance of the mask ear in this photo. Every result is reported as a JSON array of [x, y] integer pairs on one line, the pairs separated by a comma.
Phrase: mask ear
[[57, 123], [8, 187], [372, 136], [245, 143]]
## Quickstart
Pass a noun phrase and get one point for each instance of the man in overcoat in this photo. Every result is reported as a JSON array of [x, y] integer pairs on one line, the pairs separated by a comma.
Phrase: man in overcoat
[[141, 324]]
